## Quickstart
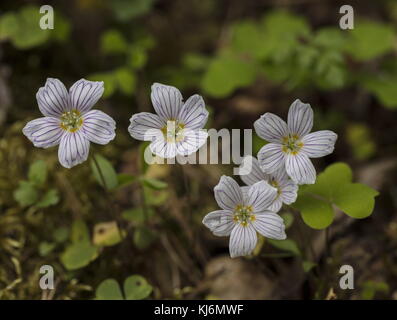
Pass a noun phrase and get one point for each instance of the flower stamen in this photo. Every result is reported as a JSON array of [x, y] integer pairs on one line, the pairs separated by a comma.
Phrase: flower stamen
[[71, 121], [243, 215], [174, 131], [291, 144]]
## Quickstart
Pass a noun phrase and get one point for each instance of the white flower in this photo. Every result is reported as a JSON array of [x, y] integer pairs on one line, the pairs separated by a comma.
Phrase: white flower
[[69, 121], [245, 211], [287, 190], [292, 145], [176, 129]]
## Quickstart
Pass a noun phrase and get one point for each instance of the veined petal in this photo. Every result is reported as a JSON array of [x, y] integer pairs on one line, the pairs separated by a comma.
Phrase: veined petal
[[271, 127], [193, 140], [73, 149], [300, 118], [220, 222], [251, 172], [98, 127], [270, 225], [160, 147], [276, 205], [271, 157], [244, 191], [84, 94], [260, 196], [167, 101], [193, 113], [43, 132], [289, 192], [228, 193], [53, 98], [319, 144], [242, 240], [146, 126], [300, 168], [288, 189]]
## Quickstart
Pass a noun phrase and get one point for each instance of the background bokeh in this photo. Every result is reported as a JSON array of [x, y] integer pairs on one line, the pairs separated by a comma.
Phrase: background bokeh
[[245, 58]]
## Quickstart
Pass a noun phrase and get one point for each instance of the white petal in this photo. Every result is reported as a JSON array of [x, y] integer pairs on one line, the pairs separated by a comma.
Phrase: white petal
[[244, 191], [167, 101], [193, 113], [242, 240], [300, 168], [162, 148], [43, 132], [146, 126], [53, 98], [276, 205], [84, 94], [193, 140], [98, 127], [271, 127], [289, 192], [288, 189], [300, 118], [271, 157], [319, 144], [270, 225], [228, 193], [250, 171], [260, 196], [73, 149], [220, 222]]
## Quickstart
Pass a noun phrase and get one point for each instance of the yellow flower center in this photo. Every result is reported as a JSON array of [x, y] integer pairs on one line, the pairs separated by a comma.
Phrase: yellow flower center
[[291, 144], [243, 215], [173, 131], [71, 121]]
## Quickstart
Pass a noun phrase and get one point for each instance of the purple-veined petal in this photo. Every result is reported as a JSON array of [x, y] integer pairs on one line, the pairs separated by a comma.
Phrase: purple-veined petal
[[300, 168], [271, 128], [287, 189], [220, 222], [271, 157], [319, 144], [85, 94], [44, 132], [146, 126], [276, 205], [192, 141], [160, 147], [98, 127], [73, 149], [167, 101], [53, 98], [242, 240], [251, 172], [228, 193], [260, 196], [270, 225], [193, 113], [244, 191], [300, 118]]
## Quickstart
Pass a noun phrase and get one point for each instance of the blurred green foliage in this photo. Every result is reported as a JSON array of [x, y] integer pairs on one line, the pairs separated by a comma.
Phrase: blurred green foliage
[[33, 192], [135, 288], [334, 188]]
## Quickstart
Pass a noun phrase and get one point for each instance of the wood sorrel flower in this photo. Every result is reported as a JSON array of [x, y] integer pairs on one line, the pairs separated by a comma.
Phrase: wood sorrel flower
[[176, 129], [287, 190], [292, 145], [69, 121], [245, 211]]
